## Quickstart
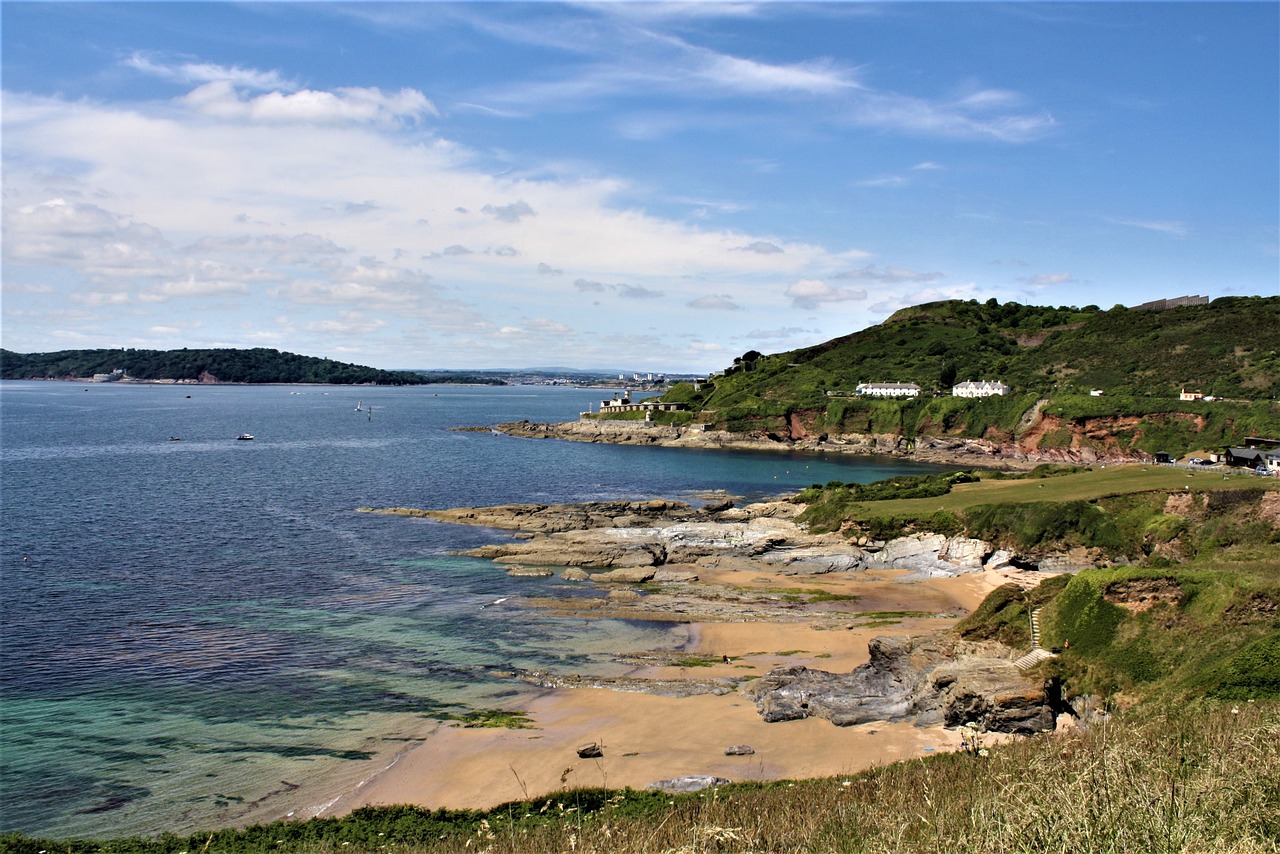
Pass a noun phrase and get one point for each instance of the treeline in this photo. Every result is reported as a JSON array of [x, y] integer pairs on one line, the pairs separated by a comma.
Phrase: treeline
[[257, 365]]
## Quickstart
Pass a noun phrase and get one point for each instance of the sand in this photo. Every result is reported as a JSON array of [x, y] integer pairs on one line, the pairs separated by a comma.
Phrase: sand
[[648, 738]]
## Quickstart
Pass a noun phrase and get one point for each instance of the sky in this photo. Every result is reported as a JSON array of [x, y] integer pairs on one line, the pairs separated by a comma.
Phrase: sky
[[621, 186]]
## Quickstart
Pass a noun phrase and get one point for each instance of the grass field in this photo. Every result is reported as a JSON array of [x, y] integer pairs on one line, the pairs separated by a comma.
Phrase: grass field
[[1102, 482]]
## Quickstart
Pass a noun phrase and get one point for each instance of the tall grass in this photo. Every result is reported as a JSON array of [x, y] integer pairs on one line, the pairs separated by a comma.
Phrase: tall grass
[[1203, 777]]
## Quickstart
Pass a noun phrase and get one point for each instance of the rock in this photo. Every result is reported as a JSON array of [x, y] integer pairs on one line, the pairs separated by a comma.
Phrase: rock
[[739, 750], [625, 594], [594, 750], [693, 783], [932, 554], [673, 575], [989, 692], [965, 552], [927, 680], [575, 574], [1072, 561], [529, 572], [999, 559], [634, 575]]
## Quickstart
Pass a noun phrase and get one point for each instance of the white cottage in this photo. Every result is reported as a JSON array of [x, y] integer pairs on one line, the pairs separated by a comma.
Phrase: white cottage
[[985, 388], [888, 389]]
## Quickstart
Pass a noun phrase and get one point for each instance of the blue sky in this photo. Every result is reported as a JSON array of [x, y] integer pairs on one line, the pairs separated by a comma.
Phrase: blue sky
[[633, 186]]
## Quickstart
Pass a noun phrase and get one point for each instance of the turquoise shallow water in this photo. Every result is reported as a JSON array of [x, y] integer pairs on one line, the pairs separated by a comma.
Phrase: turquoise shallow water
[[201, 630]]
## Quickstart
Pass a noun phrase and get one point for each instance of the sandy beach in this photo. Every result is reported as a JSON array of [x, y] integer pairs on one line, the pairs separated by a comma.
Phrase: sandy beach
[[647, 738]]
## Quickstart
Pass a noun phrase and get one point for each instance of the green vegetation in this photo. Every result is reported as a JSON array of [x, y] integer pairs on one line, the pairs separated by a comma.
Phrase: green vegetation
[[258, 365], [1141, 360], [496, 718], [1118, 509]]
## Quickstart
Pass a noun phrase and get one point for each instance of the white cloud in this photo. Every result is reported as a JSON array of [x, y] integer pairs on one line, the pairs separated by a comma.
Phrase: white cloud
[[719, 303], [762, 247], [637, 292], [513, 212], [346, 324], [219, 99], [966, 118], [205, 72], [272, 236], [1171, 228], [811, 293], [884, 181], [193, 287], [1048, 279], [751, 76], [891, 275]]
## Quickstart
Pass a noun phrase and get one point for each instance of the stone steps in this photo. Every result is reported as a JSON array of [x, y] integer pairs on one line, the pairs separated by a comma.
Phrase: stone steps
[[1033, 658]]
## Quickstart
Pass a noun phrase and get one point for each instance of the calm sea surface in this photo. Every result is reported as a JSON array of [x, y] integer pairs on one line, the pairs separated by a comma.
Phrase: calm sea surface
[[196, 631]]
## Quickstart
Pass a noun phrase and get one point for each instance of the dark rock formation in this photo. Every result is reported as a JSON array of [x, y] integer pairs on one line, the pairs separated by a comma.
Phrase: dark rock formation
[[927, 680]]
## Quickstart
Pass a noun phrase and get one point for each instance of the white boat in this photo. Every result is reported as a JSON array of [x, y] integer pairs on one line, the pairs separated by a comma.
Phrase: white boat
[[244, 437], [359, 406]]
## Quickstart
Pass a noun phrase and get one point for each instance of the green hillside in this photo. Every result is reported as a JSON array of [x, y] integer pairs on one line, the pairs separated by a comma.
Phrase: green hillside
[[257, 365], [1140, 360]]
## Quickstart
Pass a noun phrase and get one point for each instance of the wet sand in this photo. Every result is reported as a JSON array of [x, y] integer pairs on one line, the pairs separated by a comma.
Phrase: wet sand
[[647, 738]]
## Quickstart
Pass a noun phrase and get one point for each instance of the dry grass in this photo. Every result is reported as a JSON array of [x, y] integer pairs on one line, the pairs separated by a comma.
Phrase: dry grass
[[1200, 779]]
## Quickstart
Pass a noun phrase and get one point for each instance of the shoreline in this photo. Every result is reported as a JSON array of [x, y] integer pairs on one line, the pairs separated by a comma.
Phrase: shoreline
[[648, 737]]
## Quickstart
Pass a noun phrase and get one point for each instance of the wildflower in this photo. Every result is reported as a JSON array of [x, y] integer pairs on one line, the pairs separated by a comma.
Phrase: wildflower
[[1235, 710], [847, 783]]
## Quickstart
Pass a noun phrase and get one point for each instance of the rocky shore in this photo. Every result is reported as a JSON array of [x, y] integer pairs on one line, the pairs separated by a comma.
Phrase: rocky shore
[[639, 541], [670, 560], [1089, 442]]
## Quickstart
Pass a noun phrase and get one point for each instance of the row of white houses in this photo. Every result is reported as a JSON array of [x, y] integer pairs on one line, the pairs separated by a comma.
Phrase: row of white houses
[[970, 388]]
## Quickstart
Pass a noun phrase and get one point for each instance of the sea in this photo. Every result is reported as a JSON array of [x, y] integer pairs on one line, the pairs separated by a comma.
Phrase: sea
[[199, 631]]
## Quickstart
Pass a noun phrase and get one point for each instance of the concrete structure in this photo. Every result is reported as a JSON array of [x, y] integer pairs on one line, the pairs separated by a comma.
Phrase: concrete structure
[[985, 388], [888, 389], [1174, 302], [623, 403]]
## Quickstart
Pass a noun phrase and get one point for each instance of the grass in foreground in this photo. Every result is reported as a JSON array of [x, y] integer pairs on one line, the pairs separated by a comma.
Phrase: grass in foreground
[[1203, 777]]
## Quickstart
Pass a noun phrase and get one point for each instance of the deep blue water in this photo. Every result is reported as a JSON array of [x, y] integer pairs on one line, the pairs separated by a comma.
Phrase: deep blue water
[[192, 627]]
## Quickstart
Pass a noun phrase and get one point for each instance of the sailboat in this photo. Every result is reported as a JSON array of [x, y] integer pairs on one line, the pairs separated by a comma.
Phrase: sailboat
[[359, 406]]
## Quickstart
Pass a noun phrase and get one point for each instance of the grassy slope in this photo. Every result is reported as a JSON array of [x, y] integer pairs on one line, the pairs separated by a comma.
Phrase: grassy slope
[[1142, 359]]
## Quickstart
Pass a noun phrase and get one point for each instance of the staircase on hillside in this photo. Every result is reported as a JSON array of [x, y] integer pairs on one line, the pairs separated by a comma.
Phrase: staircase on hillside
[[1037, 653]]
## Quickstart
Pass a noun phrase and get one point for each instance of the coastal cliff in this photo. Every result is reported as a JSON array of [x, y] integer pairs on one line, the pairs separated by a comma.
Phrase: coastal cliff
[[1045, 439]]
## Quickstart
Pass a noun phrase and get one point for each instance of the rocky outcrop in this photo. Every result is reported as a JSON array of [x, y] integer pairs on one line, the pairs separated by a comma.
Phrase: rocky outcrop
[[927, 680], [631, 539]]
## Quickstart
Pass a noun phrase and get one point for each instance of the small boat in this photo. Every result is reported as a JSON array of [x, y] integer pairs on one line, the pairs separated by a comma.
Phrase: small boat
[[175, 438], [245, 437], [359, 406]]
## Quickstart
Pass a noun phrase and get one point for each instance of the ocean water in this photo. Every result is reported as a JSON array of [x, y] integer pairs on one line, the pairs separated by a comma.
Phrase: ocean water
[[201, 632]]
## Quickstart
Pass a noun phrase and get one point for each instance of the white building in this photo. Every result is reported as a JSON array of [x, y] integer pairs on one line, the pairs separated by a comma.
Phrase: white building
[[985, 388], [888, 389]]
